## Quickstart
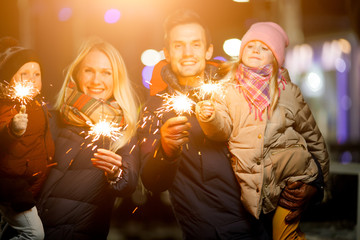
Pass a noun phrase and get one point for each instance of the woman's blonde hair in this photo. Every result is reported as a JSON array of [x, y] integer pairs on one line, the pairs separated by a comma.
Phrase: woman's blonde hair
[[123, 92]]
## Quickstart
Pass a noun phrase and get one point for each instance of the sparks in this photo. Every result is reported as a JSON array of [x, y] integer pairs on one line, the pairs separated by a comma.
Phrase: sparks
[[22, 91], [207, 90], [106, 129], [178, 102]]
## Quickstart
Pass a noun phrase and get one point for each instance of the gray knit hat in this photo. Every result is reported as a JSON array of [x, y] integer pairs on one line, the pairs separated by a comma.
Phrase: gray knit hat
[[12, 57]]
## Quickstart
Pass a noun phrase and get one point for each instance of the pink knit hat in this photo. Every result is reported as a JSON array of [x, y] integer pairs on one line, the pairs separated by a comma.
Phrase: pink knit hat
[[269, 33]]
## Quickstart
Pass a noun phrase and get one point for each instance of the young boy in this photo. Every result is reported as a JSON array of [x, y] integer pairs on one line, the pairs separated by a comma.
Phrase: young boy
[[26, 145]]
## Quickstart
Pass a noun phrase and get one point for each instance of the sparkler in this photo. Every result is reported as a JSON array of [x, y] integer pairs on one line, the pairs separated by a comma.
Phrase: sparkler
[[104, 128], [22, 91], [208, 89], [180, 103]]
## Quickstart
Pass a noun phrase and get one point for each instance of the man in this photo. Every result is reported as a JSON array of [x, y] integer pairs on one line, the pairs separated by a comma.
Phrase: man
[[176, 154]]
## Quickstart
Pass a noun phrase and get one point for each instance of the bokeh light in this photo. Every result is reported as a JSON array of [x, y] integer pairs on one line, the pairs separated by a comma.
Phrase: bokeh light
[[150, 57], [146, 75], [65, 14], [340, 65], [232, 47], [345, 45], [313, 86], [220, 58], [112, 16]]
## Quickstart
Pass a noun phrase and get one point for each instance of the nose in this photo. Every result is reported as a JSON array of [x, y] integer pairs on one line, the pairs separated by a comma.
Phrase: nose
[[188, 51], [97, 78], [256, 49]]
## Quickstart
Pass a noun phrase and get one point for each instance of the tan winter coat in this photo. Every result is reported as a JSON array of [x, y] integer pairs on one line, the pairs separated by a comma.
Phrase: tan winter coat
[[269, 153]]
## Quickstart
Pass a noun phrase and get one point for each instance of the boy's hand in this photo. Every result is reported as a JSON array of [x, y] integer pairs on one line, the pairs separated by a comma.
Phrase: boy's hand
[[19, 122], [205, 109]]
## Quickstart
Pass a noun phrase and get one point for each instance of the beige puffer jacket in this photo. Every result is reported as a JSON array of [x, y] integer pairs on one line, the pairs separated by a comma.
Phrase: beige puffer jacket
[[268, 153]]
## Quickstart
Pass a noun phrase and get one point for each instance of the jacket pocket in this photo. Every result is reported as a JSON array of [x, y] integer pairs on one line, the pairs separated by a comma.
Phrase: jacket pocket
[[289, 162]]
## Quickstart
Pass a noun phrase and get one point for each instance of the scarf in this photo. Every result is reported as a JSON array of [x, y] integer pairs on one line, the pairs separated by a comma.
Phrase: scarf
[[254, 84], [79, 108]]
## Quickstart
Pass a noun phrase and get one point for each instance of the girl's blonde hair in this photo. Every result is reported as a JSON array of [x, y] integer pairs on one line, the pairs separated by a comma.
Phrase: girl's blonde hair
[[123, 92]]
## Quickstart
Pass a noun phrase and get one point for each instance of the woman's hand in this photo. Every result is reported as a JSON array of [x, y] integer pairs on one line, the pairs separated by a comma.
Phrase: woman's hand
[[107, 160]]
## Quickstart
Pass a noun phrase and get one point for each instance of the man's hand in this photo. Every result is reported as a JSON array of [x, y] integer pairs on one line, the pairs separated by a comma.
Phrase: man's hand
[[296, 196], [174, 133]]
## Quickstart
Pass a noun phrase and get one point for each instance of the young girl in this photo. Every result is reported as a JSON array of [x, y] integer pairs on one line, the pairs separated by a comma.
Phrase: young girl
[[272, 134], [26, 143]]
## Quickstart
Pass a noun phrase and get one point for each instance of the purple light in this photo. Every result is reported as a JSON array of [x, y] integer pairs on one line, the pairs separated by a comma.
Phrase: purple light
[[112, 16], [343, 109], [220, 58], [146, 75], [64, 14]]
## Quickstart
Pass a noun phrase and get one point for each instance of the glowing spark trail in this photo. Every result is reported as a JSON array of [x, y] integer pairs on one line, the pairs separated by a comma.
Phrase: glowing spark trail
[[106, 129], [180, 103], [22, 91], [207, 90]]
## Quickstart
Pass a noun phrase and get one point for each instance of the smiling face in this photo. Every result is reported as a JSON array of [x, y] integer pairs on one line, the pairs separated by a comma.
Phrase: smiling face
[[187, 52], [95, 75], [256, 54]]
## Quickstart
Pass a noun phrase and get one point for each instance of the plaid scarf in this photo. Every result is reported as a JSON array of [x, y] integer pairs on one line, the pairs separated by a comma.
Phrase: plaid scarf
[[80, 108], [254, 84]]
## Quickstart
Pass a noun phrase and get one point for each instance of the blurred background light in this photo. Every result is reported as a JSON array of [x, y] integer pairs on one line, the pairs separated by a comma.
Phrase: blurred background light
[[340, 65], [65, 14], [220, 58], [112, 16], [150, 57], [313, 86], [345, 45], [232, 47], [146, 75], [330, 52]]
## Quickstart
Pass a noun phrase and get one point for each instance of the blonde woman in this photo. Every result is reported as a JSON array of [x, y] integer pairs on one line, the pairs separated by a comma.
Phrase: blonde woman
[[79, 194]]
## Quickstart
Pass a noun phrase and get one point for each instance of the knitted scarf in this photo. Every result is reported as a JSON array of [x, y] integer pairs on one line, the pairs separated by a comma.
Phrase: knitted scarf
[[80, 108], [254, 84]]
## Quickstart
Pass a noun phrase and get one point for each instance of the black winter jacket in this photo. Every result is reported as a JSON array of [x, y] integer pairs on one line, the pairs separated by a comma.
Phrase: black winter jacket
[[203, 190], [77, 200]]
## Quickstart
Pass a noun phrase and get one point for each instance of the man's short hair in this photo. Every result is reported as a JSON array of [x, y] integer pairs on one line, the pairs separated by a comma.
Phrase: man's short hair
[[180, 17]]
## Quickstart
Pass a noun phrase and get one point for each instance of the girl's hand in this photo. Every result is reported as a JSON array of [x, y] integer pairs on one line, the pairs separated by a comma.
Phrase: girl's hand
[[107, 160], [205, 109]]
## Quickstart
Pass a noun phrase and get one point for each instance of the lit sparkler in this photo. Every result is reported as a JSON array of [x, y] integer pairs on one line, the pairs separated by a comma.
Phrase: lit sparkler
[[104, 128], [180, 103], [207, 90], [22, 91]]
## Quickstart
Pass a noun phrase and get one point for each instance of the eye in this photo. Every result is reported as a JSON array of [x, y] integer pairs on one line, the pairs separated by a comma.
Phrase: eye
[[177, 45], [107, 73], [88, 70], [197, 44], [37, 74], [24, 74], [265, 48]]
